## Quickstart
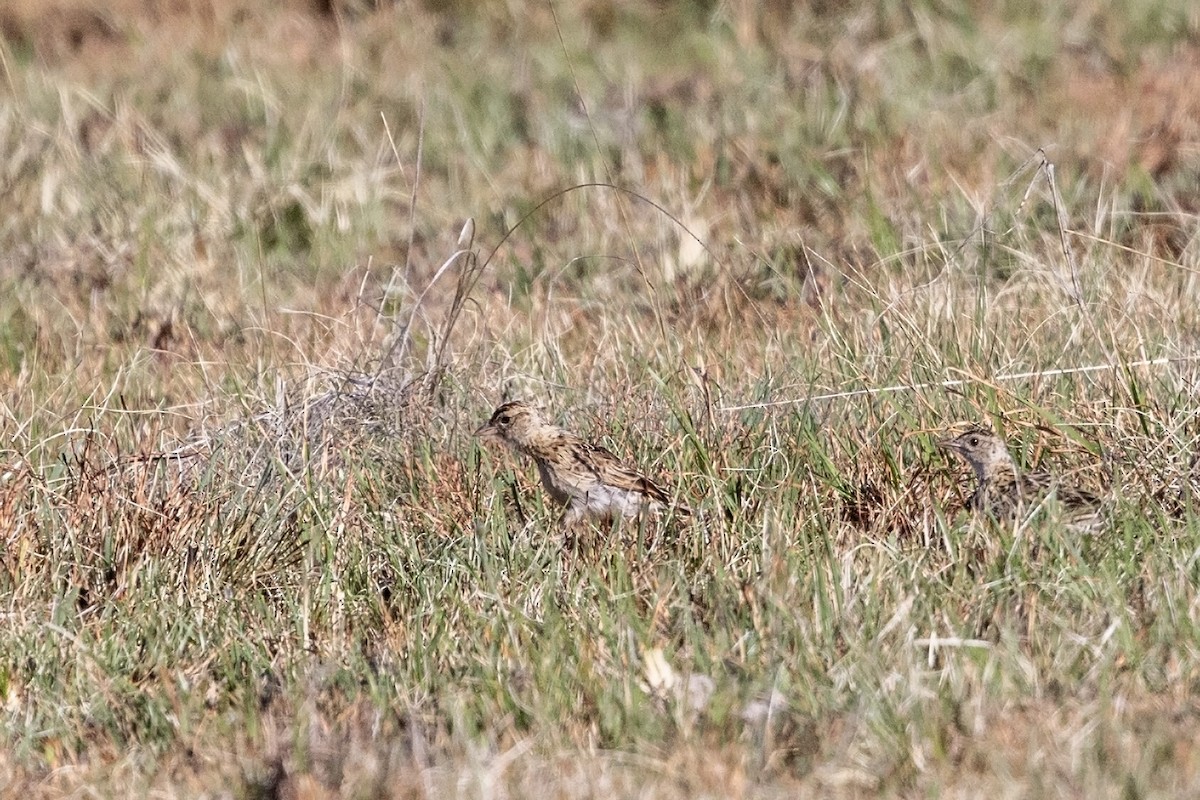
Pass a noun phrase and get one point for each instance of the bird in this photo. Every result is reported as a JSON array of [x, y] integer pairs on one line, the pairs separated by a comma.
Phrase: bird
[[586, 478], [1007, 494]]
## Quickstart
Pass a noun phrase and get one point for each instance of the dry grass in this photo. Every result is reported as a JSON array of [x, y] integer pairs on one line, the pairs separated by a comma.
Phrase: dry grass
[[251, 550]]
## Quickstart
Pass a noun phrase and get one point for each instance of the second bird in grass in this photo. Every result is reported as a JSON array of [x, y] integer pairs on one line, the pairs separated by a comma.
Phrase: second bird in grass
[[1006, 494], [589, 480]]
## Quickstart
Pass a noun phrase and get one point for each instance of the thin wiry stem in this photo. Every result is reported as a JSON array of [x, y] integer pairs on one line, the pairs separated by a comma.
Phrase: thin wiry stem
[[950, 384]]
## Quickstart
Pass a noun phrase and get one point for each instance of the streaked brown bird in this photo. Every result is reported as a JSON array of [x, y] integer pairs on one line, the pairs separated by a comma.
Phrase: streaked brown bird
[[586, 478], [1007, 494]]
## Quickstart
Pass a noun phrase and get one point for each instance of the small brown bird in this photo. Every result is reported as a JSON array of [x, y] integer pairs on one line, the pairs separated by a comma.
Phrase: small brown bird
[[589, 480], [1007, 494]]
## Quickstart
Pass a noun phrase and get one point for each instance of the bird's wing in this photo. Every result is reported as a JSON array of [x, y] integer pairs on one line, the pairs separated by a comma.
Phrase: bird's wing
[[1081, 510], [609, 470], [1038, 483], [1077, 498], [1034, 484]]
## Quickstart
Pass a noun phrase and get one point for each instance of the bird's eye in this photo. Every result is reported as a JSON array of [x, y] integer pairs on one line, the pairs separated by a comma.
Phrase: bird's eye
[[974, 441], [504, 419]]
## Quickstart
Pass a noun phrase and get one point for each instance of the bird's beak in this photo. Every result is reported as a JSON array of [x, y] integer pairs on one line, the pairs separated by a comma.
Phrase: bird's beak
[[949, 444], [486, 431]]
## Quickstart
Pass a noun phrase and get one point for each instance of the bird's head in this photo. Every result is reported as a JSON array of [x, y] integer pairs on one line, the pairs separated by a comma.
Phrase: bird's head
[[982, 449], [515, 423]]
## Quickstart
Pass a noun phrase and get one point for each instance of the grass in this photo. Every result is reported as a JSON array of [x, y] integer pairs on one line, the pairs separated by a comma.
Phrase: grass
[[230, 235]]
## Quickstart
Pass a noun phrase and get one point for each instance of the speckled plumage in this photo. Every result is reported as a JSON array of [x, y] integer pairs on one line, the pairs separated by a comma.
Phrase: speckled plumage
[[1007, 494], [586, 478]]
